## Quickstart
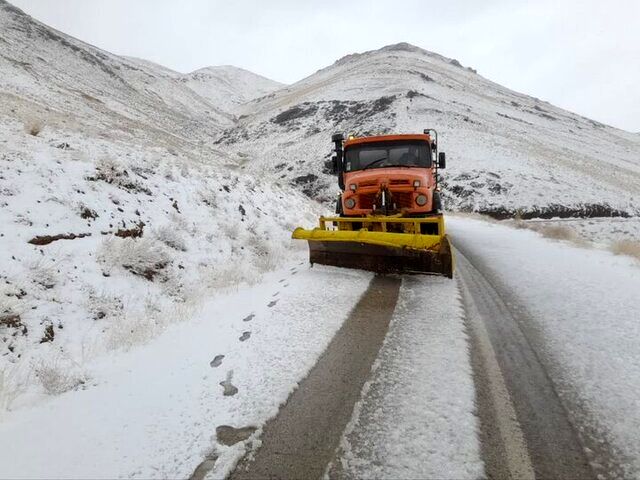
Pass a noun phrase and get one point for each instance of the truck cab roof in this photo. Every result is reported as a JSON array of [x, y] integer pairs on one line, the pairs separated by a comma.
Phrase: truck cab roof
[[386, 138]]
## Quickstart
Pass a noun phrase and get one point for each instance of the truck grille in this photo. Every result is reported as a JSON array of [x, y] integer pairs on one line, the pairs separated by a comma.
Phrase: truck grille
[[401, 199]]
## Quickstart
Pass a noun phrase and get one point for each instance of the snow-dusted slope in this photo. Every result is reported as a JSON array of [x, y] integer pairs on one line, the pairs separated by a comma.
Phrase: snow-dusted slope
[[63, 82], [117, 216], [229, 87], [506, 150]]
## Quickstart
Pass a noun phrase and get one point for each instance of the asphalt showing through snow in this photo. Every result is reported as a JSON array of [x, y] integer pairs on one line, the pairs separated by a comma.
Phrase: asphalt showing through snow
[[301, 440], [540, 440], [526, 431]]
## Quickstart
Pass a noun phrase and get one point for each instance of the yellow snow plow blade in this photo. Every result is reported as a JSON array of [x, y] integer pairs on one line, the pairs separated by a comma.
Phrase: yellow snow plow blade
[[384, 244]]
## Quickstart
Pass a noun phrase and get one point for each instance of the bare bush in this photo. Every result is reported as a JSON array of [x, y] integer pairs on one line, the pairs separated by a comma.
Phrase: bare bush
[[230, 230], [267, 255], [557, 232], [631, 248], [138, 327], [14, 380], [141, 256], [114, 172], [43, 272], [101, 305], [34, 127], [58, 377]]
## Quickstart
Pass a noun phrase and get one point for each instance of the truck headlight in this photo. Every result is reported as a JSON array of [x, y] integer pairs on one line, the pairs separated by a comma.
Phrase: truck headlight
[[353, 187], [350, 203], [421, 200], [416, 183]]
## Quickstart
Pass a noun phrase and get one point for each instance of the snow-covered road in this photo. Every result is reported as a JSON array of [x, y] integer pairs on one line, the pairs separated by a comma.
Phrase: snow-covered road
[[576, 310], [561, 326]]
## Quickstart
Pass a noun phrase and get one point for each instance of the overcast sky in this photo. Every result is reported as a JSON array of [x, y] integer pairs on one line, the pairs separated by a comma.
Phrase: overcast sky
[[580, 55]]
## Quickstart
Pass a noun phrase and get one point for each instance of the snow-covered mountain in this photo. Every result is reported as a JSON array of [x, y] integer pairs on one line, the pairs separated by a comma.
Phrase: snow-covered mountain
[[507, 152], [66, 83], [229, 87]]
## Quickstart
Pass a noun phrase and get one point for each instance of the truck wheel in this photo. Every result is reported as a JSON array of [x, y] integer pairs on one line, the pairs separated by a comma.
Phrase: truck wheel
[[437, 203]]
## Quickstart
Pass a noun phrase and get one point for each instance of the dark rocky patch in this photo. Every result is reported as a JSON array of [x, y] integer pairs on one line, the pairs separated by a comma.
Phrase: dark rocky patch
[[47, 239], [148, 273], [504, 115], [49, 334], [299, 111], [555, 211], [10, 320], [87, 213], [308, 184], [135, 232]]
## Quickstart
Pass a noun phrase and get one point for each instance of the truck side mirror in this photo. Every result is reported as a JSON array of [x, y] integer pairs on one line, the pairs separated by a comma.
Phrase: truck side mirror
[[442, 161]]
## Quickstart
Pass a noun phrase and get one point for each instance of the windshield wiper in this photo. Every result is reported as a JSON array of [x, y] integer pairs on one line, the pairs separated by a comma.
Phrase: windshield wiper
[[374, 162]]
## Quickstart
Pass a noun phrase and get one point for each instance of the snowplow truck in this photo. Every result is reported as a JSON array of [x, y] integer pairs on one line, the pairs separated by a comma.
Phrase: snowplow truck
[[389, 212]]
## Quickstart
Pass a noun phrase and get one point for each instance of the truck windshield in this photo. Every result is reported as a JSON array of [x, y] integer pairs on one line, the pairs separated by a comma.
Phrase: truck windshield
[[390, 154]]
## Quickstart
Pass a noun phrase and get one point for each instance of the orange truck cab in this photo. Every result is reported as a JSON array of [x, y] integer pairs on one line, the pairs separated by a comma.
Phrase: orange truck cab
[[388, 175]]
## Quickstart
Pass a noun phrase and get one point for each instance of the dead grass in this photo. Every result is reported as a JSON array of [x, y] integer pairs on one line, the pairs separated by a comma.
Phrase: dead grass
[[57, 376], [630, 248], [557, 232], [34, 127]]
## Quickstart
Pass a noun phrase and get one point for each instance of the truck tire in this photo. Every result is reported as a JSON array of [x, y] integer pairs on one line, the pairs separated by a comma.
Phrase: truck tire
[[437, 203]]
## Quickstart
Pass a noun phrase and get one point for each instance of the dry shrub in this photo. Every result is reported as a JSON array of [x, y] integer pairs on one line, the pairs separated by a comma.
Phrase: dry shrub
[[141, 256], [171, 237], [58, 376], [138, 326], [631, 248], [14, 381], [34, 127], [557, 232]]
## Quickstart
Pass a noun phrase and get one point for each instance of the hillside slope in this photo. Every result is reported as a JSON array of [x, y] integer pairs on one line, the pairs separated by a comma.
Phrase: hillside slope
[[229, 87], [507, 151], [117, 215], [55, 79]]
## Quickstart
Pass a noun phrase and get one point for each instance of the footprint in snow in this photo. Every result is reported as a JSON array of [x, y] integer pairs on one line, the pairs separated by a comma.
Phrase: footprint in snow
[[249, 317], [227, 435], [229, 389], [281, 280], [285, 285], [293, 273], [275, 294], [217, 361], [245, 336], [293, 269], [272, 303]]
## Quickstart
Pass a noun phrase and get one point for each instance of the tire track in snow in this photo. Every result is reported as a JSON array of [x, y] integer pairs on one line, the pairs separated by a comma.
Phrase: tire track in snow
[[526, 430], [301, 440]]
